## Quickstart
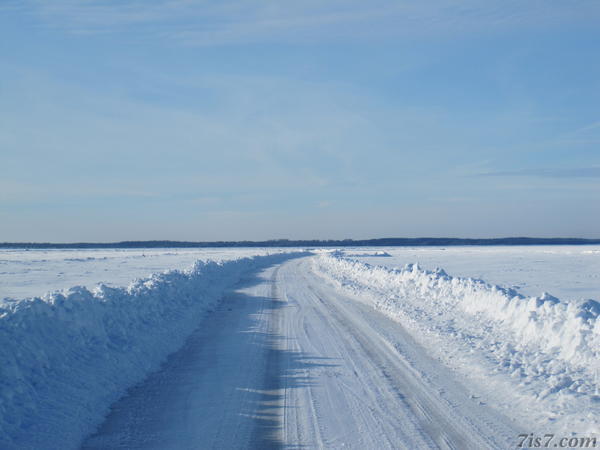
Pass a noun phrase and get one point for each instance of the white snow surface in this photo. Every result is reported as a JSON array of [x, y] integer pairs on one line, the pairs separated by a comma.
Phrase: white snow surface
[[569, 272], [30, 273], [66, 357], [536, 357], [287, 361]]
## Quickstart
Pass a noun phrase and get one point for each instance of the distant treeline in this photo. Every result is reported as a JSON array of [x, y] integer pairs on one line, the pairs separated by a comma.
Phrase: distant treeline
[[383, 242]]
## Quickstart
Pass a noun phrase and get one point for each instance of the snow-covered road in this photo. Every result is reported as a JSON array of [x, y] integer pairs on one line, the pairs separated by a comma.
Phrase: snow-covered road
[[286, 360]]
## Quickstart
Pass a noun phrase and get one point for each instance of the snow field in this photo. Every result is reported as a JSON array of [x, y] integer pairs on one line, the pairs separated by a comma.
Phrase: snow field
[[29, 273], [66, 357], [540, 354], [571, 273]]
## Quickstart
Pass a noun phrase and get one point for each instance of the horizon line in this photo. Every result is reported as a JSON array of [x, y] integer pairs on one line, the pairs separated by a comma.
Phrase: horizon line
[[285, 242]]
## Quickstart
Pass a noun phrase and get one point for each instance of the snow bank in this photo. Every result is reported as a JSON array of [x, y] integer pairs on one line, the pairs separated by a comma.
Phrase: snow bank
[[549, 347], [377, 253], [64, 359]]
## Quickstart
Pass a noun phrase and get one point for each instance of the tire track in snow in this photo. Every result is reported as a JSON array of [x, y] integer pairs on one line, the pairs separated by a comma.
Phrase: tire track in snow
[[394, 397], [286, 361]]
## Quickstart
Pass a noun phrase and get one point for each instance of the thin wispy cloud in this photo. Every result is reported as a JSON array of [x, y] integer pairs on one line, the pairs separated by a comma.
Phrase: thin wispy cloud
[[591, 127], [293, 114], [578, 172], [199, 22]]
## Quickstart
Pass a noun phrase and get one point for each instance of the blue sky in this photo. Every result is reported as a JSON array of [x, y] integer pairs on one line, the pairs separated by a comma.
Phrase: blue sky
[[239, 119]]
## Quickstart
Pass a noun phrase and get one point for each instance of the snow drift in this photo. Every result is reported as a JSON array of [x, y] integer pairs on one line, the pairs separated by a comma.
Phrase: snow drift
[[547, 347], [377, 253], [570, 331], [65, 358]]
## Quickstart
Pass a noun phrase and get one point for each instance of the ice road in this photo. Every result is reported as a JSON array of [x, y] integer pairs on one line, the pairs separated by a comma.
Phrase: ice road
[[285, 360]]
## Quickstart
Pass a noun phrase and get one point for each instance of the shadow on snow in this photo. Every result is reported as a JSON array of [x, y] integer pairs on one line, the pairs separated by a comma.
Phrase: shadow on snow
[[261, 399]]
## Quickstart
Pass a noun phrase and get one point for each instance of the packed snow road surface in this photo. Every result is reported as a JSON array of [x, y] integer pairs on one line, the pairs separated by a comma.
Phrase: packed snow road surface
[[287, 360]]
